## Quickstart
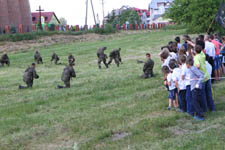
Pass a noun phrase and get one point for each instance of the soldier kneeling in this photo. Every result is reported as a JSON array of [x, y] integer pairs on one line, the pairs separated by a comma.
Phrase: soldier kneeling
[[4, 59], [55, 57], [148, 67], [67, 75], [29, 76], [38, 58]]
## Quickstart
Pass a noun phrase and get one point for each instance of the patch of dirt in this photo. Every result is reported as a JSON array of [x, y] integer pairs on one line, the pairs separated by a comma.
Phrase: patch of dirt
[[50, 40], [120, 136]]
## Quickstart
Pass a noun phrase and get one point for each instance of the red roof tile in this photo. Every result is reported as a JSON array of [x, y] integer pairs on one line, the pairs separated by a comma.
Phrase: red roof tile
[[48, 16]]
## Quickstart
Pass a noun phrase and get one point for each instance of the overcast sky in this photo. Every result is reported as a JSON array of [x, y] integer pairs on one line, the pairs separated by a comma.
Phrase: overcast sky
[[74, 10]]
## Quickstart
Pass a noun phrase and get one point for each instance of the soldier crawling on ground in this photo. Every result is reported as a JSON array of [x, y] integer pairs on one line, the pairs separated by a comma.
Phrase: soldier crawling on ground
[[29, 76], [148, 67], [4, 59], [38, 58], [55, 58], [115, 55], [67, 75], [102, 57], [71, 59]]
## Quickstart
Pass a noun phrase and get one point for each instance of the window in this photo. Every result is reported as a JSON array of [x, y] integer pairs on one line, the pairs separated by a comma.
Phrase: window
[[46, 18]]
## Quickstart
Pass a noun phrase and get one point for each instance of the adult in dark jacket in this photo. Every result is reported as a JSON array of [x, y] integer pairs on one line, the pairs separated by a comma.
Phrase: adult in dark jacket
[[102, 57], [38, 58], [148, 67], [115, 55], [29, 76], [67, 75]]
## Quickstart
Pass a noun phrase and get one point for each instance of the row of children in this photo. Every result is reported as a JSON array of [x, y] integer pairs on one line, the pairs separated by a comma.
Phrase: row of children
[[188, 69]]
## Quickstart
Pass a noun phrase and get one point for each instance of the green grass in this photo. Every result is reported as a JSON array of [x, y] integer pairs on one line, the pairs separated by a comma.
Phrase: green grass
[[101, 103]]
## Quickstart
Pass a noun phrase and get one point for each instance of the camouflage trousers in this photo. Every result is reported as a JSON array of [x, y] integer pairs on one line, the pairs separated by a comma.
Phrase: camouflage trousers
[[29, 85], [67, 85], [100, 60], [117, 60], [147, 75]]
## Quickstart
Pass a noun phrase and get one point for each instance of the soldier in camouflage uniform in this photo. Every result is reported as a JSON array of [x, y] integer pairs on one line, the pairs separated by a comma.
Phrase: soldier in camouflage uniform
[[38, 58], [4, 59], [29, 75], [71, 59], [67, 75], [115, 55], [102, 57], [148, 67], [55, 58]]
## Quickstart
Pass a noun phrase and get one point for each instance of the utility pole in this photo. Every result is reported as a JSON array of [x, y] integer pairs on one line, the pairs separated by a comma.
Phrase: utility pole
[[103, 10], [93, 12], [86, 14], [40, 24]]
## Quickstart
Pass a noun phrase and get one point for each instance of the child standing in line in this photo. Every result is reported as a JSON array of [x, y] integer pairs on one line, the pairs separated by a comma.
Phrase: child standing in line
[[196, 85], [185, 74], [180, 84], [172, 89]]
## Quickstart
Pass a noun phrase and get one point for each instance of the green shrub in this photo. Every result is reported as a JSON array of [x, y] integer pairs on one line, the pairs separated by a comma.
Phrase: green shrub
[[37, 34], [52, 27]]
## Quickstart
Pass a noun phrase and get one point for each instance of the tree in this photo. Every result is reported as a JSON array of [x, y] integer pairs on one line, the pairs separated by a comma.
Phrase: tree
[[197, 15], [127, 15], [131, 16], [63, 21]]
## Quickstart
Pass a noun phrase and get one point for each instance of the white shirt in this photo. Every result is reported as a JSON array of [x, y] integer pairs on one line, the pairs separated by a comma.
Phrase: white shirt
[[208, 68], [167, 61], [186, 73], [179, 46], [177, 76], [210, 49], [170, 79], [173, 55]]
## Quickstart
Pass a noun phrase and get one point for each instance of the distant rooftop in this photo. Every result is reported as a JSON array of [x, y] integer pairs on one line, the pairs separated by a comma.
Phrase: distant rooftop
[[153, 4]]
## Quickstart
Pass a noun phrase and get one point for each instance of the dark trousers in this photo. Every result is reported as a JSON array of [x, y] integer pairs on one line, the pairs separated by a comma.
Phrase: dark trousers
[[203, 99], [182, 100], [196, 97], [211, 62], [189, 102], [209, 98]]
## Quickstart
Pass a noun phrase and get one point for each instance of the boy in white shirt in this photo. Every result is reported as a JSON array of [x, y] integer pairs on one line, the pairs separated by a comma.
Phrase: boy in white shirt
[[171, 86], [185, 74], [180, 85]]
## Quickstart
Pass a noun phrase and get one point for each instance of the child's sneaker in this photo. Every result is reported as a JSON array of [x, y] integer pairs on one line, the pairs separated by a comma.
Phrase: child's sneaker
[[169, 108], [179, 110], [198, 118]]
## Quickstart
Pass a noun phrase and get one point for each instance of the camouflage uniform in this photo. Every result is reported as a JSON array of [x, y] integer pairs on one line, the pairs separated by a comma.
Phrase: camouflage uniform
[[29, 75], [55, 58], [148, 69], [71, 59], [38, 58], [67, 74], [4, 60], [115, 55], [102, 57]]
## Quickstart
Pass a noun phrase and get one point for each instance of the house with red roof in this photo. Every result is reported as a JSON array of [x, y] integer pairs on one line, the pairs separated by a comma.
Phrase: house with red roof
[[144, 14], [47, 18]]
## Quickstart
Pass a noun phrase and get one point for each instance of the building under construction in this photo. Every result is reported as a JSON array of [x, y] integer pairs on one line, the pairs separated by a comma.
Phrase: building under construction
[[14, 13]]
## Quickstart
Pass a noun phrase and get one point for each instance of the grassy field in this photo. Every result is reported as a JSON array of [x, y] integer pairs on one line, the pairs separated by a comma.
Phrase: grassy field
[[106, 109]]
